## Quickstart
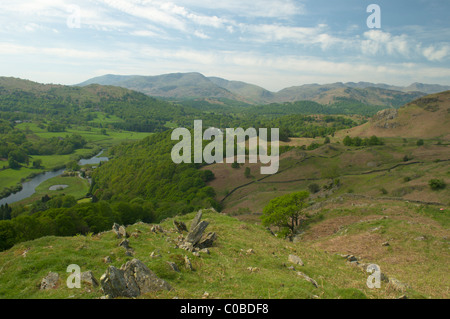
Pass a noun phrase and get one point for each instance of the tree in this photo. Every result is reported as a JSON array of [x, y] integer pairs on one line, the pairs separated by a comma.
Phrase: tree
[[37, 163], [347, 141], [286, 211]]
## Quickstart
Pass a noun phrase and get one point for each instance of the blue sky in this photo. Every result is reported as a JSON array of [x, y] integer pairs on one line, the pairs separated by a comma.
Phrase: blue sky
[[274, 44]]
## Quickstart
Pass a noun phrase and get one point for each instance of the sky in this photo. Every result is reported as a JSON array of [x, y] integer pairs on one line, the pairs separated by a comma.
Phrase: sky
[[273, 44]]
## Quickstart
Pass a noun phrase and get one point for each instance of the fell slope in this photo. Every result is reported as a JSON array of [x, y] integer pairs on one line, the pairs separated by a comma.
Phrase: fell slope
[[246, 261], [426, 117]]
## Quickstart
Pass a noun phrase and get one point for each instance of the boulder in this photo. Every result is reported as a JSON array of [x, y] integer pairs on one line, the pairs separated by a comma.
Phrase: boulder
[[88, 278], [196, 234], [207, 241], [120, 231], [397, 284], [196, 220], [180, 226], [50, 281], [295, 260], [131, 280]]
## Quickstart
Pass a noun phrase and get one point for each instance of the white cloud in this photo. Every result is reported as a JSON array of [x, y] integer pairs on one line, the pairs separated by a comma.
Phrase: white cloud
[[433, 54]]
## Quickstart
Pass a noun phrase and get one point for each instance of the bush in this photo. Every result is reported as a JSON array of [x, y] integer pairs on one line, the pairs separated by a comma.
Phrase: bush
[[313, 188], [420, 142], [436, 184]]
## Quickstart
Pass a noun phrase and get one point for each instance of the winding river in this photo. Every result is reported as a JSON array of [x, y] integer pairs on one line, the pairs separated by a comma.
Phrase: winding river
[[29, 187]]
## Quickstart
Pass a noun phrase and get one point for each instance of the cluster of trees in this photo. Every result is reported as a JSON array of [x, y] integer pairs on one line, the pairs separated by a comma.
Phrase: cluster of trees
[[5, 212], [357, 141], [69, 221], [145, 170], [16, 148]]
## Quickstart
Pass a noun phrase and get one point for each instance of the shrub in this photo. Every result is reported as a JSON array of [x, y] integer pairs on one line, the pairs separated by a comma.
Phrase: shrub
[[313, 188], [420, 142], [436, 184]]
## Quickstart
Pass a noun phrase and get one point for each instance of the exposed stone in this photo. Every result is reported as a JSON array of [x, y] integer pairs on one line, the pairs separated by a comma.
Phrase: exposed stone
[[207, 241], [88, 277], [157, 229], [250, 251], [295, 260], [155, 255], [195, 234], [196, 220], [107, 260], [307, 278], [205, 251], [180, 226], [131, 280], [397, 284], [120, 231], [50, 281], [173, 266], [125, 244], [113, 283], [385, 244], [188, 263], [253, 269]]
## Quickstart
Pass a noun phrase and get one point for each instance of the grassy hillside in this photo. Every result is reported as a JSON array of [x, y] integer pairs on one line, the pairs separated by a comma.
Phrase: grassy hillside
[[246, 261], [426, 117]]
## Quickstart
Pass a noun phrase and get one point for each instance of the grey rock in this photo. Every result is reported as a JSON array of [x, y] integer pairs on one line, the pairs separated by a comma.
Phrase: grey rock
[[307, 278], [157, 229], [188, 263], [196, 220], [50, 281], [120, 231], [113, 283], [295, 260], [173, 266], [180, 226], [397, 284], [131, 280], [88, 278], [207, 241], [196, 234]]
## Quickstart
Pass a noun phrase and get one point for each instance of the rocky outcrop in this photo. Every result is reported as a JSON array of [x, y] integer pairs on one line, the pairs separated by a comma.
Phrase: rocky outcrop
[[195, 240], [384, 118], [50, 281], [131, 280], [120, 231]]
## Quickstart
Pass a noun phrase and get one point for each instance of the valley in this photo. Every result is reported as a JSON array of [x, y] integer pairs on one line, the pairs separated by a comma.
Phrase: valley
[[376, 178]]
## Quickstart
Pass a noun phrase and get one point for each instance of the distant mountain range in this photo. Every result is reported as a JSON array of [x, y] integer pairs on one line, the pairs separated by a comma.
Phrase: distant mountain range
[[180, 86]]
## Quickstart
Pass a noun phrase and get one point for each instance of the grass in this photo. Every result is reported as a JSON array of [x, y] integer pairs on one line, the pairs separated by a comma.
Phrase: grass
[[223, 273], [77, 187]]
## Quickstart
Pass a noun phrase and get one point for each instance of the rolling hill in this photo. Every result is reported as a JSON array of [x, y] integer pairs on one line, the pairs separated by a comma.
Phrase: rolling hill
[[179, 86], [426, 117]]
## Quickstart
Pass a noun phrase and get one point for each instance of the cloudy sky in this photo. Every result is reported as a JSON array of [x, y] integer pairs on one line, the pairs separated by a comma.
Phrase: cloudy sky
[[271, 43]]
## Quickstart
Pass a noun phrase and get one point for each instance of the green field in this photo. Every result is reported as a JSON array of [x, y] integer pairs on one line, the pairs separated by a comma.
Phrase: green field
[[77, 187]]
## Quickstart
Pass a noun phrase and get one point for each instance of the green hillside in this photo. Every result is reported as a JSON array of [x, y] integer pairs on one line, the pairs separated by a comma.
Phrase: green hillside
[[245, 261]]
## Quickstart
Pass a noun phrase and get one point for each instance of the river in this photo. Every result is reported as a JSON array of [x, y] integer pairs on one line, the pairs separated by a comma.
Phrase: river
[[29, 187]]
